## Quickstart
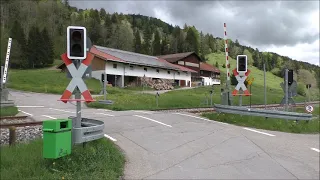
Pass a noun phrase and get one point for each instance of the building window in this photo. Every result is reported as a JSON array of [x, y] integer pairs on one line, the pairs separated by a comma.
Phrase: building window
[[145, 69], [158, 71], [201, 72], [115, 66], [131, 67], [168, 72]]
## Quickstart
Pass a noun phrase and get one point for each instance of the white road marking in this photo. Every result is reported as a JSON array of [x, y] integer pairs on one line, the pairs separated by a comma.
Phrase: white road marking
[[105, 114], [109, 137], [143, 112], [317, 150], [61, 110], [29, 106], [107, 110], [201, 118], [49, 117], [259, 132], [153, 120], [25, 113]]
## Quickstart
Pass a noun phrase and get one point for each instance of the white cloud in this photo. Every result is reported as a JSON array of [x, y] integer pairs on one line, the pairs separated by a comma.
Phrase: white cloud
[[302, 52]]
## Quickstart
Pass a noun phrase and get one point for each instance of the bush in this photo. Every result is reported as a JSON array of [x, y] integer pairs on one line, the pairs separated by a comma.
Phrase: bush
[[276, 72], [301, 89], [224, 65]]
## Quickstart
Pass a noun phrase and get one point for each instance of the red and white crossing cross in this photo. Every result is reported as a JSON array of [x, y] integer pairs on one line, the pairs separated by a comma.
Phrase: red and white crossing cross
[[77, 80], [241, 83]]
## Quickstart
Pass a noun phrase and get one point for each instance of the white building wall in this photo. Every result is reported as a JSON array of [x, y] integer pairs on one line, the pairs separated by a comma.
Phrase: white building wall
[[207, 81], [137, 71], [97, 74]]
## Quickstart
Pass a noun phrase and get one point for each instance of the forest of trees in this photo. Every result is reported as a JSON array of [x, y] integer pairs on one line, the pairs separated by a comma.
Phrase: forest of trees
[[38, 29]]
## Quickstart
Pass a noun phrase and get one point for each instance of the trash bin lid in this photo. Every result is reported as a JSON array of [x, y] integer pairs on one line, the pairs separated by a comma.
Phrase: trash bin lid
[[57, 125]]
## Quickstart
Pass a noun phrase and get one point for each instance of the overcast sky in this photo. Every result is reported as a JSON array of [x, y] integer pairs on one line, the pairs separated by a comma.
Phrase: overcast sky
[[289, 28]]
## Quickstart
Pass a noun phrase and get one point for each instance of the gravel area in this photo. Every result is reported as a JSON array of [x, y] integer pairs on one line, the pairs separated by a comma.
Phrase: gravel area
[[24, 134]]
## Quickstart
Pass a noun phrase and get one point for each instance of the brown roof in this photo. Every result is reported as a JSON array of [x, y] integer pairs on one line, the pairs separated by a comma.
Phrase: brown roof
[[208, 67], [109, 54], [176, 57], [178, 66]]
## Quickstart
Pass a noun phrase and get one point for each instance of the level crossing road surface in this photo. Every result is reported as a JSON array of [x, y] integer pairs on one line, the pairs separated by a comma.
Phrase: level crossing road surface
[[182, 145]]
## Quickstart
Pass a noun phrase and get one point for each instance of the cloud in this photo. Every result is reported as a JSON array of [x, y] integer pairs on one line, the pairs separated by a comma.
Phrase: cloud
[[260, 24]]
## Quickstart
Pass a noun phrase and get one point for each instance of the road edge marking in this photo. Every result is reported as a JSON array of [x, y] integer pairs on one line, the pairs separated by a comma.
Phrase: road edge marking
[[259, 132], [106, 114], [29, 106], [25, 112], [49, 116], [109, 137], [201, 118], [107, 110], [145, 112], [153, 120], [61, 110], [315, 149]]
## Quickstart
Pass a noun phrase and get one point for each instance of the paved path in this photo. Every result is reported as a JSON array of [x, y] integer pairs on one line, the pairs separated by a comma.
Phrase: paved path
[[184, 146]]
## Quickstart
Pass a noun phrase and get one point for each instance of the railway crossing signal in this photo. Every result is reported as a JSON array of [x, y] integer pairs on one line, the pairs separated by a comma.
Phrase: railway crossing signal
[[242, 64], [77, 80], [241, 73], [76, 42]]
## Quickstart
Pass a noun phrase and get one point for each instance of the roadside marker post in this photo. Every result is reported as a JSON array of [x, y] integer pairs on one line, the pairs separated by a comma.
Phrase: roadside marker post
[[4, 92]]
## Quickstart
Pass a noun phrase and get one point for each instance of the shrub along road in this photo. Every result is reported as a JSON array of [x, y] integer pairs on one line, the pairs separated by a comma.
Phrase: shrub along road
[[161, 145]]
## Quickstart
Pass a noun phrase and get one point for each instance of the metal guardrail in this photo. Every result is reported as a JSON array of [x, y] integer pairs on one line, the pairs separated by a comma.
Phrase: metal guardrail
[[91, 130], [262, 112]]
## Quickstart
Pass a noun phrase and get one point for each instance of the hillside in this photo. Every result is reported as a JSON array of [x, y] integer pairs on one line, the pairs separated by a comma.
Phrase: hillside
[[39, 37]]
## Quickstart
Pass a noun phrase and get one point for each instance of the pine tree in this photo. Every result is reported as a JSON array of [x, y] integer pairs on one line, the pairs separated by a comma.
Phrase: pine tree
[[157, 44], [32, 47], [17, 34], [48, 45], [114, 18], [137, 42], [192, 43], [217, 64], [147, 41], [165, 46]]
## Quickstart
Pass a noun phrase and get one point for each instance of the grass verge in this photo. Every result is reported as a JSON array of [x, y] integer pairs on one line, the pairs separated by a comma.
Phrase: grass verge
[[187, 98], [100, 159], [8, 111], [45, 81], [274, 124]]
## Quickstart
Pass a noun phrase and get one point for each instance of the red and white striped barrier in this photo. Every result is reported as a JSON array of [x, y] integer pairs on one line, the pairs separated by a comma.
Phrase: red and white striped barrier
[[227, 51], [241, 84], [77, 80]]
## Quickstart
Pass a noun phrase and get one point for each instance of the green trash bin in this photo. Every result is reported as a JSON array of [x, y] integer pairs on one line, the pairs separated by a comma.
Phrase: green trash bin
[[56, 138]]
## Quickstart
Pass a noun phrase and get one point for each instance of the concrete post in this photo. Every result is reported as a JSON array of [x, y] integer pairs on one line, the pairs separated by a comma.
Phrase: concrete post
[[286, 89], [122, 81], [265, 87]]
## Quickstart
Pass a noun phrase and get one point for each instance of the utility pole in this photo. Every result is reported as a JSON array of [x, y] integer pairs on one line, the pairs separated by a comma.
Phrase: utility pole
[[286, 89], [264, 82]]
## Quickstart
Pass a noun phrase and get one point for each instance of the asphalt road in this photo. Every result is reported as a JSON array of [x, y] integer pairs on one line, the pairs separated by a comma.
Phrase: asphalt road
[[185, 146]]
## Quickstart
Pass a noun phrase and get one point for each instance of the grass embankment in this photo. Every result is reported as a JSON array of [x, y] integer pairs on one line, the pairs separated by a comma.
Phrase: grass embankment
[[291, 126], [8, 111], [272, 81], [53, 81], [191, 98], [99, 159], [45, 81]]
